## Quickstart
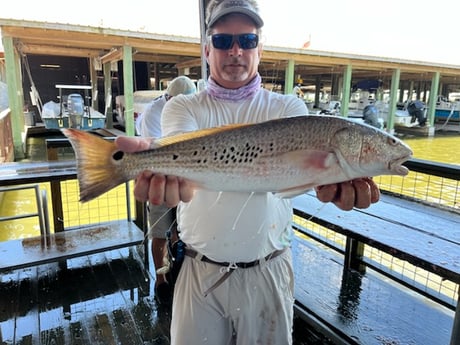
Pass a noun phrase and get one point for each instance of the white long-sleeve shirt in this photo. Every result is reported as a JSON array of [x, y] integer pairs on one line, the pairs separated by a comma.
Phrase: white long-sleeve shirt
[[228, 226], [149, 123]]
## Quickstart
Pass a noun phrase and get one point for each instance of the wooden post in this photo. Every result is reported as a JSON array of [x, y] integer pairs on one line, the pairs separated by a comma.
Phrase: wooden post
[[106, 67], [289, 77], [354, 251], [455, 337], [346, 90], [15, 95], [128, 89], [432, 102], [393, 100], [56, 196]]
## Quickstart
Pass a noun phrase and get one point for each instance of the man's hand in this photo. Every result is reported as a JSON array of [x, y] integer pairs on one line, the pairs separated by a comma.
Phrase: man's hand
[[360, 193], [155, 188]]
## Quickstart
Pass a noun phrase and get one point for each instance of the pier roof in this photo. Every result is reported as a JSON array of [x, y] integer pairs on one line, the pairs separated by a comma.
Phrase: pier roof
[[45, 38]]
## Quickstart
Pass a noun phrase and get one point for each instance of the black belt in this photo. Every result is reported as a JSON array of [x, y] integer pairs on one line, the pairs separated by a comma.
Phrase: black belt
[[230, 266], [194, 254]]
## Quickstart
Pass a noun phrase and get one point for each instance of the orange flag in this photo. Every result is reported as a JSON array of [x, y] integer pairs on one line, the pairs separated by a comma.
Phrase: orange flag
[[307, 43]]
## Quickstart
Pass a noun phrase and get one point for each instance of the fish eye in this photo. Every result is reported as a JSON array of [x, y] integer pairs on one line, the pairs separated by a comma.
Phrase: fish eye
[[392, 141], [118, 155]]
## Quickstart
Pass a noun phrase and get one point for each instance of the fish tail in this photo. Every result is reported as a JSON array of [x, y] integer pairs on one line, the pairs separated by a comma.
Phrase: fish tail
[[96, 170]]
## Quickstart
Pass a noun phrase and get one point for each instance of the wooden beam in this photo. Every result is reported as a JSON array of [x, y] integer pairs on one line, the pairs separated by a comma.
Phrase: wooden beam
[[189, 64], [38, 49], [114, 55]]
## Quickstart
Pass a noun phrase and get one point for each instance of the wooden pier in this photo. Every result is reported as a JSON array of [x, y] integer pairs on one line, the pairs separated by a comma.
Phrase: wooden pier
[[102, 293]]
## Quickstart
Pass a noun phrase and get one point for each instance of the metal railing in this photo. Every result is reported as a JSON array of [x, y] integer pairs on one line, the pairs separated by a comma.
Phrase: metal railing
[[432, 183]]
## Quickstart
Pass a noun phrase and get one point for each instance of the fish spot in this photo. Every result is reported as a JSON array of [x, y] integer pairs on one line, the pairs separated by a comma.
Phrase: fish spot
[[118, 155], [175, 156]]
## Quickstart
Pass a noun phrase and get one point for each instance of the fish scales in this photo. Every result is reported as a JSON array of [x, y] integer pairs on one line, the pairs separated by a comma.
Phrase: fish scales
[[286, 155], [250, 152]]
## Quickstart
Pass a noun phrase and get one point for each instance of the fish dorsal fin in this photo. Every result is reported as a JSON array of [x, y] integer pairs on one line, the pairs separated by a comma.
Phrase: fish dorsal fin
[[195, 134]]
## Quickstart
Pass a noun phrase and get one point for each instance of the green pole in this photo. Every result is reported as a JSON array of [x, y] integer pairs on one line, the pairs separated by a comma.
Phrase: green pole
[[108, 94], [393, 100], [15, 95], [289, 77], [432, 102], [128, 87], [346, 90]]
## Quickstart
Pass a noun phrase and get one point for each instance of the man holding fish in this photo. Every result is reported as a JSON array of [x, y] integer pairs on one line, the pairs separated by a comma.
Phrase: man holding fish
[[161, 218], [236, 282]]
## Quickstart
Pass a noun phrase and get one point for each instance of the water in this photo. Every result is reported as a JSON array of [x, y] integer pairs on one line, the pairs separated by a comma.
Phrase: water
[[433, 189], [445, 149]]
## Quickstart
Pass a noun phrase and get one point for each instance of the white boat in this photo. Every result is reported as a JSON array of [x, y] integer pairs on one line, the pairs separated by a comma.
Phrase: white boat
[[141, 100], [361, 99], [358, 101], [446, 109]]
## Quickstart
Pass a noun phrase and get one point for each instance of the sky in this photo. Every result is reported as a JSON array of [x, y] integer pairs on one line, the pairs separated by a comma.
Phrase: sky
[[403, 29]]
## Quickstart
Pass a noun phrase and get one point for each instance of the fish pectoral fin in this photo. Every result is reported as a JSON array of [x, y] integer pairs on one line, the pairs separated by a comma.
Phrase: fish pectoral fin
[[293, 192], [310, 159]]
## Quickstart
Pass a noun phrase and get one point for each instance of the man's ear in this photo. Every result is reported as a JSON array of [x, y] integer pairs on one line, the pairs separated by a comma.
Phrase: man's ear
[[260, 49]]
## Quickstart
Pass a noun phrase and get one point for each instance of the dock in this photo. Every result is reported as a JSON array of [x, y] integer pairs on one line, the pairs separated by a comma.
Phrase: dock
[[349, 287]]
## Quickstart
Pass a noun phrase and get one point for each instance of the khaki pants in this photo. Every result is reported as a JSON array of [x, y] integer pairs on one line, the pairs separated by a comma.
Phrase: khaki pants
[[252, 306]]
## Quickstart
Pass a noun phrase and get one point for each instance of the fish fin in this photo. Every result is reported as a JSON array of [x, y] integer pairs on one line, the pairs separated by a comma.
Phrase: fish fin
[[293, 192], [310, 159], [96, 170], [195, 134], [316, 160]]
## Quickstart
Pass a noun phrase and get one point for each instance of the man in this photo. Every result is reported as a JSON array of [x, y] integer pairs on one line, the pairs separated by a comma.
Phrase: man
[[236, 282], [161, 218], [148, 124], [298, 91]]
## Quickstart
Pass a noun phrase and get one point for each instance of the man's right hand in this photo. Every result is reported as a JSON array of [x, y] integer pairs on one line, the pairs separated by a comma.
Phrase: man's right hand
[[158, 189]]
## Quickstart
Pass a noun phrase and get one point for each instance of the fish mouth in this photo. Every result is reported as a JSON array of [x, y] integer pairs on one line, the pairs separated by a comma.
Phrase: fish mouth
[[396, 165]]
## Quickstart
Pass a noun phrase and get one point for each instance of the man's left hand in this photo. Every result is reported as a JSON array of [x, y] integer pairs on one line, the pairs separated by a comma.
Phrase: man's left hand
[[360, 193]]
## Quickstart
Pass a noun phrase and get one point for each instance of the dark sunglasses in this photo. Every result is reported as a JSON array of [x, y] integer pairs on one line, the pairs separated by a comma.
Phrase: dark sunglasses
[[226, 41]]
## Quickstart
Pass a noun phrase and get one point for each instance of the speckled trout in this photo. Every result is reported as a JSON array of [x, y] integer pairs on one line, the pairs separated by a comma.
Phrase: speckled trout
[[285, 156]]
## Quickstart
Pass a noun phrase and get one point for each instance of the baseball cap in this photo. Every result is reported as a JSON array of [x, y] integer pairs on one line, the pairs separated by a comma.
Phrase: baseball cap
[[181, 85], [234, 6]]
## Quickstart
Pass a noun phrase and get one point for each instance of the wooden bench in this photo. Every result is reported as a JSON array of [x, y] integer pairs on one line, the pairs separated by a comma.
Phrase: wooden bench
[[64, 243], [422, 235], [68, 244]]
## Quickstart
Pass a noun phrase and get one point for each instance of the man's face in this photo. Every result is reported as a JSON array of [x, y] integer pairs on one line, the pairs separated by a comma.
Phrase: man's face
[[233, 67]]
